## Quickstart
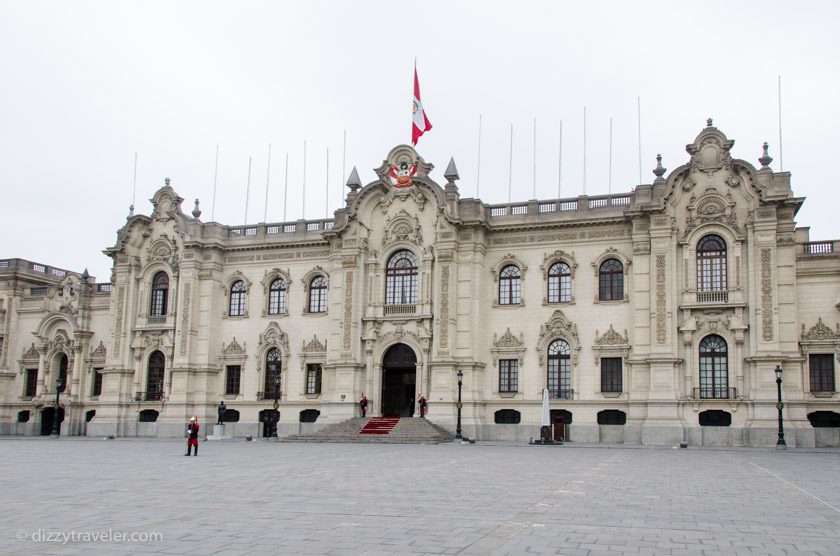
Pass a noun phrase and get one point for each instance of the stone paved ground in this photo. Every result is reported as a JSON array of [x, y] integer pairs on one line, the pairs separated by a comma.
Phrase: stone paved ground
[[252, 498]]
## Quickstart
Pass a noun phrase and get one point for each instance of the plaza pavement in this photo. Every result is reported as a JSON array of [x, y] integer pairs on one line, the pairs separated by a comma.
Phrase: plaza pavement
[[260, 497]]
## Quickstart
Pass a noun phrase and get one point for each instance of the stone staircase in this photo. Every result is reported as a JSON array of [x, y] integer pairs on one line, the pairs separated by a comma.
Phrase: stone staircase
[[407, 431]]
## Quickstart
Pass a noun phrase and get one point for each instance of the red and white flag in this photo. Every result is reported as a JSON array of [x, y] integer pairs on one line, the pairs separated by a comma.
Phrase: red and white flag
[[420, 123]]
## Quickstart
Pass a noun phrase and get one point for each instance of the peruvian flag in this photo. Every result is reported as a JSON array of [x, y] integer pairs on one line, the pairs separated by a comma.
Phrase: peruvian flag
[[420, 123]]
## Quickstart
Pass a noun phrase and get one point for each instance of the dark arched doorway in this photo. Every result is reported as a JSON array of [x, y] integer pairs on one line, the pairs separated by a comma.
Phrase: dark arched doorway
[[399, 380], [48, 419]]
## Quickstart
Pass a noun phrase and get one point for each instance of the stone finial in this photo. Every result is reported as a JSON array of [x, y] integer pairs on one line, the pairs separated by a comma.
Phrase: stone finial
[[353, 182], [166, 182], [765, 159], [659, 171], [451, 173], [709, 122], [196, 211]]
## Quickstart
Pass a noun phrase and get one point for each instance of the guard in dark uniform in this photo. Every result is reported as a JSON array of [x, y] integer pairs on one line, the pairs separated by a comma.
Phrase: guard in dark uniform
[[363, 403]]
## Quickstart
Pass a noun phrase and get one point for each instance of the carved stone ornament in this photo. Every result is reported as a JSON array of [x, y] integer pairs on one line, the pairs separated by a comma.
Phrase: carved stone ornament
[[711, 208], [99, 352], [314, 346], [166, 203], [402, 227], [233, 348], [558, 256], [30, 354], [710, 150], [558, 327], [820, 332], [402, 166], [611, 338], [508, 340], [273, 337]]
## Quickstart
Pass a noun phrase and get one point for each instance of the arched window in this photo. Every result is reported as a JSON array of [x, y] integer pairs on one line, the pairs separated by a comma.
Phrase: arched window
[[711, 264], [559, 283], [61, 384], [611, 280], [273, 373], [318, 295], [277, 297], [238, 296], [154, 378], [510, 285], [559, 370], [401, 279], [160, 294], [714, 371]]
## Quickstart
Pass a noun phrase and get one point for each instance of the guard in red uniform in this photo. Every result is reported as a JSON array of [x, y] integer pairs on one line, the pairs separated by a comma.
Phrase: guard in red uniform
[[422, 402], [192, 430]]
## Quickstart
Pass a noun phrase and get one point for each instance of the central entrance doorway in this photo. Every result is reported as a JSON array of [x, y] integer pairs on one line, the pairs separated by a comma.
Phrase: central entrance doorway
[[399, 381]]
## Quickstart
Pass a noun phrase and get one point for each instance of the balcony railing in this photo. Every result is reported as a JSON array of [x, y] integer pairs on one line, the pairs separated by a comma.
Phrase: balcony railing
[[400, 309], [561, 394], [156, 319], [714, 393], [720, 296]]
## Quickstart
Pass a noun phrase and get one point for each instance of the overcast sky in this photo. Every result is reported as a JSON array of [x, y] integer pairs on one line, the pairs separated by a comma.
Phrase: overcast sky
[[85, 85]]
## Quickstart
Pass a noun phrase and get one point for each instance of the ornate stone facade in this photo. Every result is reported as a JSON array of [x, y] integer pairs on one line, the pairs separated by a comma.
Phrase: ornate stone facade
[[763, 295]]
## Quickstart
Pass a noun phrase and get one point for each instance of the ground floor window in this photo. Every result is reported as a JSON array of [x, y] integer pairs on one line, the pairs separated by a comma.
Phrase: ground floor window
[[507, 417], [612, 417], [821, 367], [508, 375], [96, 390], [715, 418], [31, 382], [232, 377], [313, 378], [611, 374]]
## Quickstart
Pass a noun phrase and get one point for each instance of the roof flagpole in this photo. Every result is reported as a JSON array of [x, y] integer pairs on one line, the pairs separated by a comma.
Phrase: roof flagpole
[[247, 190], [267, 179], [510, 165], [781, 157], [560, 164], [303, 199], [134, 186], [327, 188], [215, 178], [286, 188], [584, 150], [609, 181], [535, 160], [478, 166]]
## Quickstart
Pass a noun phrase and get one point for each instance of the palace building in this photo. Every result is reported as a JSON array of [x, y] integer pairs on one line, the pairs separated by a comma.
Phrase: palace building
[[655, 316]]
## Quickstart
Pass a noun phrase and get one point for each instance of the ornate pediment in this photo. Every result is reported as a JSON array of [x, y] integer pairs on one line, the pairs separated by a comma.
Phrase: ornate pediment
[[611, 338], [31, 354], [508, 340], [273, 337], [820, 332], [99, 352], [233, 348], [166, 203], [402, 227], [710, 150], [558, 327], [314, 346], [711, 208]]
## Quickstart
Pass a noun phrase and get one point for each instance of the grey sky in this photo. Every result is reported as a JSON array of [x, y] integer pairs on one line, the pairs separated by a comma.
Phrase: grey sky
[[86, 84]]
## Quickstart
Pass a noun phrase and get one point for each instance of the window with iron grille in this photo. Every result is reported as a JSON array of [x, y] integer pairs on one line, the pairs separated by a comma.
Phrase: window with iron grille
[[611, 280], [714, 369], [507, 417], [821, 367], [238, 296], [96, 390], [318, 295], [273, 368], [510, 285], [508, 375], [313, 378], [154, 378], [401, 279], [559, 283], [611, 374], [160, 293], [31, 382], [232, 377], [559, 369], [711, 264], [277, 297]]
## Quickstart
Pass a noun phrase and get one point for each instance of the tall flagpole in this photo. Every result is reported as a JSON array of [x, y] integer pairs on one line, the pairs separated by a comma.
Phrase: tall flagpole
[[247, 190], [535, 159], [303, 198], [781, 157], [609, 181], [267, 179], [215, 178], [327, 188], [343, 167], [584, 150], [560, 164], [510, 165], [134, 185], [286, 188], [639, 115], [478, 166]]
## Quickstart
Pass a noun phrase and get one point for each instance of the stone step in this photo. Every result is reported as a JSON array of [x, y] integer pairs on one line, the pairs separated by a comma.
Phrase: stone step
[[406, 431]]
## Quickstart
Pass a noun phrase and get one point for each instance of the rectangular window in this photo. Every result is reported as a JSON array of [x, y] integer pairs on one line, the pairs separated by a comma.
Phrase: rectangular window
[[611, 374], [313, 378], [232, 373], [508, 375], [821, 367], [31, 382], [96, 390]]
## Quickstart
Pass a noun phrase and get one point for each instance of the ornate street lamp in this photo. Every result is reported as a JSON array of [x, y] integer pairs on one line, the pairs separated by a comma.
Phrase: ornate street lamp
[[780, 444], [59, 388], [460, 384], [273, 417]]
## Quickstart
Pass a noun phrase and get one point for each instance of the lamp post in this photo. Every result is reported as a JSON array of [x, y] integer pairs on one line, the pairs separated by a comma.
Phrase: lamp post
[[460, 384], [273, 430], [59, 387], [780, 444]]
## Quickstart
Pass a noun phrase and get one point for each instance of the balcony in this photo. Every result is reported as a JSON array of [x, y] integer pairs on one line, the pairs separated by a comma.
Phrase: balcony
[[721, 296], [707, 298], [561, 394], [407, 309], [714, 393]]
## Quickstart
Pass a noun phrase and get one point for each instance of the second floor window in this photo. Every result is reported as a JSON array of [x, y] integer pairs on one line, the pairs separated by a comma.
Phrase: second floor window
[[232, 377], [711, 264], [821, 367], [611, 374], [31, 382], [559, 283], [313, 378], [508, 375], [238, 295], [510, 285], [160, 293], [96, 389], [714, 369], [154, 377], [559, 370], [277, 297], [611, 281], [401, 279], [318, 295]]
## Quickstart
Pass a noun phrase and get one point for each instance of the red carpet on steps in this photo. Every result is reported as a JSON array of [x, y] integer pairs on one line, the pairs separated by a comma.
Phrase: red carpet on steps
[[380, 425]]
